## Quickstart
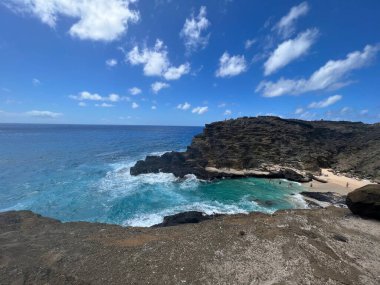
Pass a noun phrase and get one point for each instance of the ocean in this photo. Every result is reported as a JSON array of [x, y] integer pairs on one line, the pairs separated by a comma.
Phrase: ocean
[[81, 173]]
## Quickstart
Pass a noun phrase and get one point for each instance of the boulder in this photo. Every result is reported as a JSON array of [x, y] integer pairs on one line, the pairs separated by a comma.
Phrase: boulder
[[190, 217], [365, 201]]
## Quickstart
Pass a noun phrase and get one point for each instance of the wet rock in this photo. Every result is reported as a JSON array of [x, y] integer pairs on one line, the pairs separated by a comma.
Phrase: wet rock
[[190, 217], [365, 201]]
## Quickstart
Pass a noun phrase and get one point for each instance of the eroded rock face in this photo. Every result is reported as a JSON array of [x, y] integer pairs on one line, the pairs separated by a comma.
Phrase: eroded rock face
[[259, 142], [365, 201]]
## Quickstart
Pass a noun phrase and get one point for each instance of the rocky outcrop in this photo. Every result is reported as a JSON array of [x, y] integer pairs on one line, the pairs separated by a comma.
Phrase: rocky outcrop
[[274, 147], [365, 201], [317, 200], [322, 246], [190, 217]]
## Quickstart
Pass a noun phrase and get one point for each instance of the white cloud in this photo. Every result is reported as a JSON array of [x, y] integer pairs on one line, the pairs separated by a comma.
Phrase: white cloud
[[36, 82], [111, 62], [157, 86], [96, 20], [192, 31], [185, 106], [82, 104], [345, 110], [290, 50], [156, 61], [286, 25], [231, 65], [329, 77], [222, 105], [85, 95], [200, 110], [113, 97], [135, 105], [227, 112], [299, 111], [135, 91], [364, 112], [249, 43], [174, 73], [43, 114], [325, 103], [104, 105], [154, 108]]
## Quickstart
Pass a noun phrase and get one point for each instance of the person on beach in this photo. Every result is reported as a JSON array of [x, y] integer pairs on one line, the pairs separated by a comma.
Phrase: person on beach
[[347, 185], [311, 185]]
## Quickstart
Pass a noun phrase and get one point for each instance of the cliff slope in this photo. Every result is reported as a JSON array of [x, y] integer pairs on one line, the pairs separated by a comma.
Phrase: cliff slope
[[274, 147]]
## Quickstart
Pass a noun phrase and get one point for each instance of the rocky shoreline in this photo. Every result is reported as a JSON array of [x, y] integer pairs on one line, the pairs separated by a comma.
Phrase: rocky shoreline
[[272, 147], [319, 246]]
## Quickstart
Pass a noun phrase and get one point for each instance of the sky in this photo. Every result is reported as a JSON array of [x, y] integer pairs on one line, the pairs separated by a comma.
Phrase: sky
[[162, 62]]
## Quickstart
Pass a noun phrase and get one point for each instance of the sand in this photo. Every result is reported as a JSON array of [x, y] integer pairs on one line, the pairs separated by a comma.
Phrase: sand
[[335, 183]]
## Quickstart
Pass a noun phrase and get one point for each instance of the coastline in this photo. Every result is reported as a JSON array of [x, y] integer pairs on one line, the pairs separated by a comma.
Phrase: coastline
[[334, 183]]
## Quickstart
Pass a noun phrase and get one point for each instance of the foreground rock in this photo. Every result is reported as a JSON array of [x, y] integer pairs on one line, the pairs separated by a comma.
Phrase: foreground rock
[[323, 246], [365, 201], [190, 217], [317, 200], [274, 148]]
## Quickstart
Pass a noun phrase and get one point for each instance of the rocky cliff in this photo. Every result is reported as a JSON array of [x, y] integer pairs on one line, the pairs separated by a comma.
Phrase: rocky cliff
[[274, 147]]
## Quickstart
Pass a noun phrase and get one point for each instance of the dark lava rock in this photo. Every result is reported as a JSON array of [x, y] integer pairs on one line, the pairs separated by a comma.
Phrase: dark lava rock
[[365, 201], [251, 143], [330, 197], [190, 217]]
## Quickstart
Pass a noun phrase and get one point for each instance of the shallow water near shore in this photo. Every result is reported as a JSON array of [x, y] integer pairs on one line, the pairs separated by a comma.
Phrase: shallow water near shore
[[81, 173]]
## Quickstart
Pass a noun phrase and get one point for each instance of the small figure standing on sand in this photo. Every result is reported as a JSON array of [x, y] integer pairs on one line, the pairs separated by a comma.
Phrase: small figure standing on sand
[[311, 185], [347, 185]]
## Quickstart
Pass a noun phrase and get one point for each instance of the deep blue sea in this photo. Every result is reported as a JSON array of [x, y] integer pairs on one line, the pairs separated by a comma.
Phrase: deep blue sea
[[81, 173]]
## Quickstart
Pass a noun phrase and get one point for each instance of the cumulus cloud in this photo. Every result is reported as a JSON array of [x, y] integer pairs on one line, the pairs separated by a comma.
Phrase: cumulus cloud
[[96, 20], [174, 73], [111, 62], [135, 91], [157, 86], [286, 26], [227, 112], [185, 106], [290, 50], [43, 114], [135, 105], [200, 110], [325, 103], [154, 108], [299, 111], [193, 30], [330, 76], [156, 62], [87, 96], [230, 66]]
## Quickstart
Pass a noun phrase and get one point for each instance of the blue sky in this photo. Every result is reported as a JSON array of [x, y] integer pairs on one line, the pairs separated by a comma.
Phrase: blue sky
[[188, 62]]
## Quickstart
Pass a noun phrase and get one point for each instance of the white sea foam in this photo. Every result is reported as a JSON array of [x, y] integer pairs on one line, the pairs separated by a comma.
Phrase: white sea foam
[[298, 201]]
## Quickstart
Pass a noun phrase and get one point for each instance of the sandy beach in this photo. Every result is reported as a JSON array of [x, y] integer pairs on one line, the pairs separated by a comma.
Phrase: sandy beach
[[335, 183]]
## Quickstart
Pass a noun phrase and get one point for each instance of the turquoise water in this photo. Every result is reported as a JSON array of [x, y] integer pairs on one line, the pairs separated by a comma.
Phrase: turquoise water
[[81, 173]]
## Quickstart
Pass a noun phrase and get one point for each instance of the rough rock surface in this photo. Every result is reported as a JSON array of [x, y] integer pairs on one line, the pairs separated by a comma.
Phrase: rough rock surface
[[190, 217], [365, 201], [323, 199], [261, 143], [323, 246]]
